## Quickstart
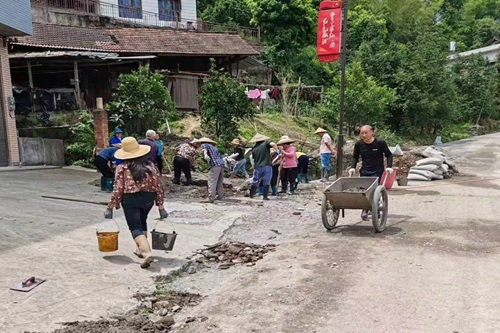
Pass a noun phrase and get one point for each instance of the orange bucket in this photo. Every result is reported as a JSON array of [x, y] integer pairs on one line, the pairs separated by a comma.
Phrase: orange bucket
[[108, 241]]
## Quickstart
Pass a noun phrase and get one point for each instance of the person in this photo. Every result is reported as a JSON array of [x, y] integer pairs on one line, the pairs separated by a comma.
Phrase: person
[[150, 141], [326, 150], [216, 174], [289, 165], [276, 162], [184, 161], [372, 151], [137, 186], [263, 169], [303, 167], [239, 156], [159, 157], [116, 139], [101, 162]]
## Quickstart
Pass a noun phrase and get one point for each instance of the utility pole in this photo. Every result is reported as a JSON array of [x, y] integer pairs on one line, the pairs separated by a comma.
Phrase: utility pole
[[343, 55]]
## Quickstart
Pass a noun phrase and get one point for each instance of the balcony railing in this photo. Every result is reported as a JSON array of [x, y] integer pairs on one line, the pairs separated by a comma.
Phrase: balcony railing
[[133, 15]]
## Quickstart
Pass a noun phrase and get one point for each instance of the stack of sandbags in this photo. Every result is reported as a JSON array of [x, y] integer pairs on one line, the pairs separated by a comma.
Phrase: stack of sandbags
[[435, 166]]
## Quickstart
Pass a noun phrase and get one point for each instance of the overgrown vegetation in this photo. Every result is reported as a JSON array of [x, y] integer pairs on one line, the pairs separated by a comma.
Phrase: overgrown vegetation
[[82, 151], [141, 102]]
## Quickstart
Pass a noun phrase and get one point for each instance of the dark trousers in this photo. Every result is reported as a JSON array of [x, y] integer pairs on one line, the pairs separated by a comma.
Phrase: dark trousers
[[276, 171], [159, 163], [136, 207], [181, 164], [288, 175], [303, 166], [103, 166]]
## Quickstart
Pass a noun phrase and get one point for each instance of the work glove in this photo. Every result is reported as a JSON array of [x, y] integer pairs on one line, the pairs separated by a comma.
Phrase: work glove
[[108, 214], [163, 213], [352, 171], [389, 171]]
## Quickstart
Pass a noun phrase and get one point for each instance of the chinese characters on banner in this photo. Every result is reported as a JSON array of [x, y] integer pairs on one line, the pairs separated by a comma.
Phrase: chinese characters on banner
[[329, 31]]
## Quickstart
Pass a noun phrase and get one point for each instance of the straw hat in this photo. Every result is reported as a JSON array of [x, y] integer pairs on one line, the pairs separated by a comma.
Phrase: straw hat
[[194, 141], [320, 130], [206, 140], [258, 138], [236, 142], [285, 139], [131, 149]]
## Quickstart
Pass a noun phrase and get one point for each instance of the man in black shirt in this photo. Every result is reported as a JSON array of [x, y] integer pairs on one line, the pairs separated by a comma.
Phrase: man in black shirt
[[372, 151], [239, 156]]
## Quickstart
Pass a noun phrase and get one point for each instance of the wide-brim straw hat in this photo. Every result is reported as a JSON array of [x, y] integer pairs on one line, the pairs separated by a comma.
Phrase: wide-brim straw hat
[[258, 138], [131, 149], [206, 140], [285, 139], [320, 130], [236, 142]]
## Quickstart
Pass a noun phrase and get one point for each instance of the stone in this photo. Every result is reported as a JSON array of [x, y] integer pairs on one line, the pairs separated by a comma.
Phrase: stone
[[234, 249], [297, 213], [167, 321], [191, 270], [190, 320], [250, 264], [176, 308]]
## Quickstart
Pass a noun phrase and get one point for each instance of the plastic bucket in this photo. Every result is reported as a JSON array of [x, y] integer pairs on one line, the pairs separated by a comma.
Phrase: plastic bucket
[[390, 180], [163, 241], [108, 241]]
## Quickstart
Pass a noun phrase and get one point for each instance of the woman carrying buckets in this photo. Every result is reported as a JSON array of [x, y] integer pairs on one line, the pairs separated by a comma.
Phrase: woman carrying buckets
[[137, 186]]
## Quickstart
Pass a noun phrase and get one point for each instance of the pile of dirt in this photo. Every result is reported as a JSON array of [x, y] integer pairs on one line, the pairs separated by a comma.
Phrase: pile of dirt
[[133, 324], [405, 162], [227, 254]]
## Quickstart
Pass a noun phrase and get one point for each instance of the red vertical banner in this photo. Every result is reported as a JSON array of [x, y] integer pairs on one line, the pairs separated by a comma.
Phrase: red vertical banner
[[329, 31]]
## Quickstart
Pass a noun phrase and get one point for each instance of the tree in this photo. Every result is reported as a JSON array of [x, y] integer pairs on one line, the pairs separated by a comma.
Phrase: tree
[[229, 12], [141, 101], [223, 103], [366, 102]]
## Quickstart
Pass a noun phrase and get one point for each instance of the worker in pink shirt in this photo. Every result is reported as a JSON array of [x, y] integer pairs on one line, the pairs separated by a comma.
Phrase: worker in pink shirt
[[289, 165]]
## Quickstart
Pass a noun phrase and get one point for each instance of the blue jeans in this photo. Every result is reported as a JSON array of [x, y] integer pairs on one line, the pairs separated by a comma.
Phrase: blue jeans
[[325, 161], [241, 165], [264, 173], [136, 207]]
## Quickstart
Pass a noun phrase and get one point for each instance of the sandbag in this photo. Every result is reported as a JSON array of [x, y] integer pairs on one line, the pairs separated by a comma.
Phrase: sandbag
[[431, 152], [438, 172], [449, 162], [396, 151], [413, 176], [438, 160], [426, 167], [445, 168], [425, 173], [437, 177]]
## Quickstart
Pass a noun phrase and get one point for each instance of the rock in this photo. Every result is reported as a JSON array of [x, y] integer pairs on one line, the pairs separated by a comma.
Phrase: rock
[[166, 321], [250, 264], [176, 308], [234, 249], [191, 270], [297, 213], [190, 320], [162, 304], [203, 319]]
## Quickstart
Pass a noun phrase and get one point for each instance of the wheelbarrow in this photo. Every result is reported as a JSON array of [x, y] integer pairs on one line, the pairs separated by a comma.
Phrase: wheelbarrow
[[363, 193]]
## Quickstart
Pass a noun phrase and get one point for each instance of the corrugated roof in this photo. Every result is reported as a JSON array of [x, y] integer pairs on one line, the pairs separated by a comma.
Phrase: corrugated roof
[[135, 40]]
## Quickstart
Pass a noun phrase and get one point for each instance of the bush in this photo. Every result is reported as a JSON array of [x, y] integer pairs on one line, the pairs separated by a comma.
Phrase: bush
[[141, 102], [82, 151]]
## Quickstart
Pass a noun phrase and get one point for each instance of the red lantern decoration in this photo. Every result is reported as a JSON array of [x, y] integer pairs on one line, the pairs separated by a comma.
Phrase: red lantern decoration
[[329, 30]]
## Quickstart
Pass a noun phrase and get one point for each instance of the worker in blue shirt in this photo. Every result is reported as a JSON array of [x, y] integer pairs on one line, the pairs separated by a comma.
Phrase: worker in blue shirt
[[159, 159], [116, 139], [102, 163]]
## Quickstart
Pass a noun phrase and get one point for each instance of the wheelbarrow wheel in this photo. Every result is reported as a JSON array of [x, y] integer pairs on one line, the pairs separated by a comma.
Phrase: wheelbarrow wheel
[[329, 215], [379, 208]]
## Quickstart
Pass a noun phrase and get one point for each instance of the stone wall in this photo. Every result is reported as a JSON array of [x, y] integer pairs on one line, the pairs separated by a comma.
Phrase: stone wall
[[39, 151]]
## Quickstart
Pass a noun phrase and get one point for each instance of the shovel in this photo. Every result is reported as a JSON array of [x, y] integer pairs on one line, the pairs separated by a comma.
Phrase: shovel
[[27, 285]]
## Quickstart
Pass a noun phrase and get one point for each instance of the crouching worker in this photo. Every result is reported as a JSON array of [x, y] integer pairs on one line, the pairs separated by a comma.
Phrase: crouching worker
[[303, 167], [102, 163], [137, 187], [372, 151]]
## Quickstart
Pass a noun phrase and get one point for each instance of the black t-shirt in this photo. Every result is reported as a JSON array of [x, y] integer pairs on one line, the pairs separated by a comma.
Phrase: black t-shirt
[[240, 152], [372, 156]]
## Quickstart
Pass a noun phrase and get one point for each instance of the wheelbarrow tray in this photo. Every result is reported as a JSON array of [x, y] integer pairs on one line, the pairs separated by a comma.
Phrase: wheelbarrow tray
[[352, 192]]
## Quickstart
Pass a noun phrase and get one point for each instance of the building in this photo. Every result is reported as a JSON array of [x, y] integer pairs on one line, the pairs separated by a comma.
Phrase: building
[[15, 20], [490, 52]]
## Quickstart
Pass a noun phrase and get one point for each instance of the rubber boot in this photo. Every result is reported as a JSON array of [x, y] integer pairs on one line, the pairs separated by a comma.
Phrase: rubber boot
[[137, 251], [274, 190], [265, 195], [299, 178], [109, 184], [253, 190], [284, 187], [103, 183], [188, 182], [143, 245], [261, 191], [176, 181], [306, 176], [292, 188]]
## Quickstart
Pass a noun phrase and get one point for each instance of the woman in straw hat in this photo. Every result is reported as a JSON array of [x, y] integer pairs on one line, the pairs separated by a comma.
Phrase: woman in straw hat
[[239, 156], [326, 150], [137, 186], [216, 173], [289, 170], [184, 161], [263, 170]]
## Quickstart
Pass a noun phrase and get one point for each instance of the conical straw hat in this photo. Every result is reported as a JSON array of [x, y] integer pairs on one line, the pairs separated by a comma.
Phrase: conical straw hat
[[206, 140], [259, 137], [320, 130], [285, 139]]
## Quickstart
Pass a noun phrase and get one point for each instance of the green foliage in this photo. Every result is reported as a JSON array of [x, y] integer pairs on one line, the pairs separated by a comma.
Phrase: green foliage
[[82, 151], [140, 102], [223, 104], [228, 12]]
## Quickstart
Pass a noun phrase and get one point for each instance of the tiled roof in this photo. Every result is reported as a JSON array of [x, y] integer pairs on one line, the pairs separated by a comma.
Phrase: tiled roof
[[136, 40]]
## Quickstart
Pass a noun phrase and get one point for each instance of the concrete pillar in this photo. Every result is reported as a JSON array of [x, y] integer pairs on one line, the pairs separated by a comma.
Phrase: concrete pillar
[[101, 131], [8, 117]]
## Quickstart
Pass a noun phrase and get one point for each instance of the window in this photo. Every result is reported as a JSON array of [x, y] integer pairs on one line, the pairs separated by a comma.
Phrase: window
[[169, 10], [130, 8]]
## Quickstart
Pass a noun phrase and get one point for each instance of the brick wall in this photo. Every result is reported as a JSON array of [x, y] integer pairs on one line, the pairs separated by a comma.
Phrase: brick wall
[[101, 129], [8, 117]]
